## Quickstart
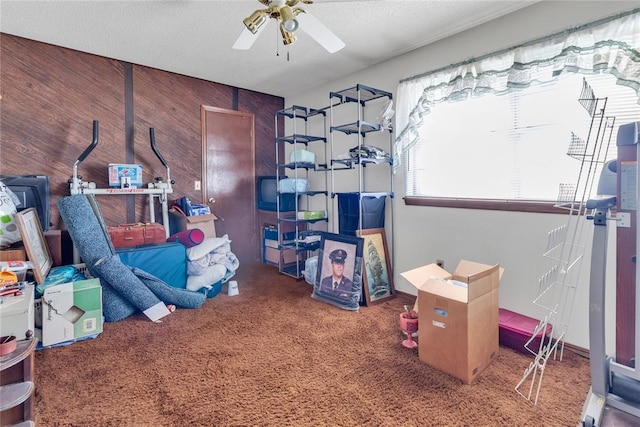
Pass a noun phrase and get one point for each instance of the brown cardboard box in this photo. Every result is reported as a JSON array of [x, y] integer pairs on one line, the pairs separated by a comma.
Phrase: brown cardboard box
[[181, 222], [458, 326], [271, 256], [14, 252]]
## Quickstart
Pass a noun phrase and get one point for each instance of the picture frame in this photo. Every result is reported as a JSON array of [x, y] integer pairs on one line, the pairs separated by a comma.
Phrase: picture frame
[[339, 272], [377, 274], [34, 243]]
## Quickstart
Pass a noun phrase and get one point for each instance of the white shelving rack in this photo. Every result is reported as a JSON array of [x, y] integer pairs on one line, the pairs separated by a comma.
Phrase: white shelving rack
[[299, 237], [357, 124]]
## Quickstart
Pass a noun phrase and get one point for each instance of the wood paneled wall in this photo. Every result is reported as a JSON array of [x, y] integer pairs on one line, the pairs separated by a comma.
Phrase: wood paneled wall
[[50, 96]]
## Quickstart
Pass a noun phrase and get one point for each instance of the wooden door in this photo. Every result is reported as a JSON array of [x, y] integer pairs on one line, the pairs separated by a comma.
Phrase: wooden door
[[228, 173]]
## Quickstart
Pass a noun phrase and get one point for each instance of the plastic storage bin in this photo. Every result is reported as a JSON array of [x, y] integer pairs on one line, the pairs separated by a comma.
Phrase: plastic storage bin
[[293, 185], [351, 205], [302, 156], [516, 329], [311, 269]]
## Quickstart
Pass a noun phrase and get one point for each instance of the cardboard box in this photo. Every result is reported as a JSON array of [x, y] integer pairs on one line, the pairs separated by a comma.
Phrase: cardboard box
[[458, 317], [15, 252], [179, 222], [71, 311], [272, 255]]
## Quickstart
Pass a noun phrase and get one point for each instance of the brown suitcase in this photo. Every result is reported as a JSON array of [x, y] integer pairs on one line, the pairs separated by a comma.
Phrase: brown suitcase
[[127, 235]]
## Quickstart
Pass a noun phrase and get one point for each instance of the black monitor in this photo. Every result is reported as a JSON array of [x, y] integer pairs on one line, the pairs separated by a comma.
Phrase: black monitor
[[33, 192], [267, 195], [267, 192]]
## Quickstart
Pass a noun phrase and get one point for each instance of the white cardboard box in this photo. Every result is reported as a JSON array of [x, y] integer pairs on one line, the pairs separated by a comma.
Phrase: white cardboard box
[[71, 311], [458, 328]]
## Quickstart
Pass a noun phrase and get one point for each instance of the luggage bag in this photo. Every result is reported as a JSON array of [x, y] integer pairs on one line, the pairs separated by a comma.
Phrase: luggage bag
[[128, 235]]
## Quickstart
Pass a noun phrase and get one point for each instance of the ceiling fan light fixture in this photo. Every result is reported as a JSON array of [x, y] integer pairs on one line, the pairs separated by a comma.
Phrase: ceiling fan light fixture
[[287, 37], [289, 22], [289, 18], [255, 21]]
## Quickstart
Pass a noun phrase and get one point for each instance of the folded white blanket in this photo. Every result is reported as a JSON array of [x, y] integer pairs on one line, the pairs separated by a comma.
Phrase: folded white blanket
[[211, 275], [210, 262]]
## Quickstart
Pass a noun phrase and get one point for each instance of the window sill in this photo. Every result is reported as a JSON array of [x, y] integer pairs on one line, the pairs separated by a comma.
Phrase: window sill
[[487, 204]]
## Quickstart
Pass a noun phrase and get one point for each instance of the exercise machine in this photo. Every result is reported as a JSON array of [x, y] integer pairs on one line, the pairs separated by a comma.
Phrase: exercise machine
[[613, 384], [158, 189]]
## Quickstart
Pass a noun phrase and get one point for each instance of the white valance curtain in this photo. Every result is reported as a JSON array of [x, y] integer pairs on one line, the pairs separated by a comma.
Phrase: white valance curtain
[[609, 45]]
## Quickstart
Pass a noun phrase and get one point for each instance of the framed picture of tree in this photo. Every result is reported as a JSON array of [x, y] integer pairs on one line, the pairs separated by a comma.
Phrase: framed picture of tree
[[377, 275]]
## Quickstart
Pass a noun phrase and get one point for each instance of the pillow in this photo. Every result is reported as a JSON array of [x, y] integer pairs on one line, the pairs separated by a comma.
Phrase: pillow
[[209, 244]]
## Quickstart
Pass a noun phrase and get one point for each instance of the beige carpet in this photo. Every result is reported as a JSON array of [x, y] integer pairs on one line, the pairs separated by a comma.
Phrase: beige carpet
[[273, 356]]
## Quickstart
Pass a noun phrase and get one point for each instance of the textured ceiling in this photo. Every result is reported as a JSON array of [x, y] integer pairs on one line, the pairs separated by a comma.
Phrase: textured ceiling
[[195, 38]]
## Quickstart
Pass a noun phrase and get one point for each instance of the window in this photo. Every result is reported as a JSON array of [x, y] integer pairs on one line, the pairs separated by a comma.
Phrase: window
[[495, 131], [512, 146]]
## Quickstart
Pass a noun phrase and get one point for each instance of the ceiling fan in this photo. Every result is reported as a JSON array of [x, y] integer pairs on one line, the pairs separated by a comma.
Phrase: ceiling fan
[[290, 18]]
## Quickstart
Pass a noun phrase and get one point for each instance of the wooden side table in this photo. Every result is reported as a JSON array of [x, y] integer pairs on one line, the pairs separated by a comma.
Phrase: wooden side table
[[17, 384]]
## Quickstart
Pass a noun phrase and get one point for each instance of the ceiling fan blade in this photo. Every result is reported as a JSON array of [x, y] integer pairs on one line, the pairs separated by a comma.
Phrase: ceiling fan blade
[[319, 32], [247, 38]]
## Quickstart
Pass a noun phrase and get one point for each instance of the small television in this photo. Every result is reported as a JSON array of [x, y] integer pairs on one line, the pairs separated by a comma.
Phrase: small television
[[32, 192], [267, 195]]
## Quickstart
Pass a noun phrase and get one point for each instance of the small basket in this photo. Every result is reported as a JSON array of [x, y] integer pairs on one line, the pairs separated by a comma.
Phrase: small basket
[[82, 268]]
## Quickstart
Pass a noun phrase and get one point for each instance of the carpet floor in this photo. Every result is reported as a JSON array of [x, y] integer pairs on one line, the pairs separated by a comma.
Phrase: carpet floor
[[273, 356]]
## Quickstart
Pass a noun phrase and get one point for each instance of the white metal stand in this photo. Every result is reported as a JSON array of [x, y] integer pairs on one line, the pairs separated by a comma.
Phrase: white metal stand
[[566, 244]]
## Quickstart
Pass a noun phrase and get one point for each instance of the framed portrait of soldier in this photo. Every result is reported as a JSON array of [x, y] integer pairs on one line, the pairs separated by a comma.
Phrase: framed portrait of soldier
[[339, 272]]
